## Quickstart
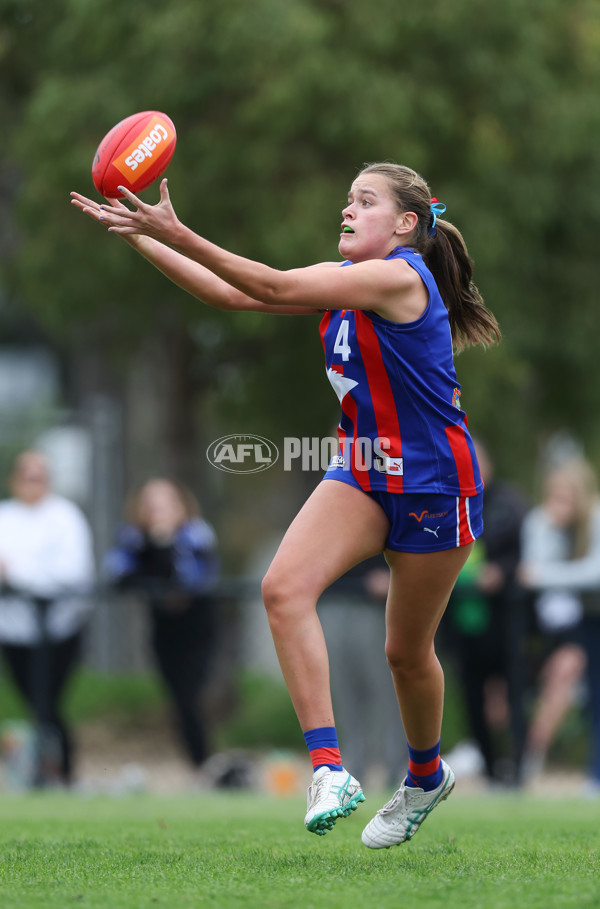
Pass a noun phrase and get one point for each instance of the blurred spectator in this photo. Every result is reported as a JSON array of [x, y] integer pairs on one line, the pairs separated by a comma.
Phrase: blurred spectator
[[169, 553], [486, 628], [47, 568], [561, 563], [352, 613]]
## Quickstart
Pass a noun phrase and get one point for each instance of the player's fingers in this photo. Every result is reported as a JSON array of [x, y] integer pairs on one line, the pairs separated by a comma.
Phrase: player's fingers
[[102, 213], [119, 210], [116, 214], [164, 191], [123, 231], [93, 213], [113, 218], [77, 198], [86, 205], [131, 197]]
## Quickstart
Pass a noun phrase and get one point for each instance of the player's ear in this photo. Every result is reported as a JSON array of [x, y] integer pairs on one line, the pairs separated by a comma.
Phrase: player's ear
[[407, 221]]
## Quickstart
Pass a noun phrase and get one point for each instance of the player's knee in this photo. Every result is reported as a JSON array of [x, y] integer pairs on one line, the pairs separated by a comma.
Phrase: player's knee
[[271, 591], [277, 592], [403, 660], [396, 656], [284, 595]]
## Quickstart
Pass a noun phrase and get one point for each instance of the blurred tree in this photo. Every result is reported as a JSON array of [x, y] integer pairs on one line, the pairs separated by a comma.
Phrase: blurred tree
[[276, 106]]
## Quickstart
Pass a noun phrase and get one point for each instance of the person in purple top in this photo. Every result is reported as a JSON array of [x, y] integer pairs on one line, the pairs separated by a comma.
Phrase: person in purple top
[[168, 553]]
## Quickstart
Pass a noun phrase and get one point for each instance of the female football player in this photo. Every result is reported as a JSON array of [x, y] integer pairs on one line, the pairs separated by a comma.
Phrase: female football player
[[405, 480]]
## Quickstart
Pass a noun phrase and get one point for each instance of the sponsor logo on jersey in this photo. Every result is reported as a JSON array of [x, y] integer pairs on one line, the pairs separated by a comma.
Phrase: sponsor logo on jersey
[[392, 466], [456, 398]]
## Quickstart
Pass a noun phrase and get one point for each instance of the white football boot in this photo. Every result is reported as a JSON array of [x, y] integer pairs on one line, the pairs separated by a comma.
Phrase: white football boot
[[400, 819], [332, 794]]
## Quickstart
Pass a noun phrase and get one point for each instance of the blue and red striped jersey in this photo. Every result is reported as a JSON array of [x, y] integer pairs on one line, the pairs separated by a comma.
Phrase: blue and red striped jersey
[[397, 382]]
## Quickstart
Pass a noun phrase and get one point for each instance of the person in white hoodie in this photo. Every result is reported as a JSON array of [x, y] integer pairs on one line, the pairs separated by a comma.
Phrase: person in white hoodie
[[560, 551], [46, 572]]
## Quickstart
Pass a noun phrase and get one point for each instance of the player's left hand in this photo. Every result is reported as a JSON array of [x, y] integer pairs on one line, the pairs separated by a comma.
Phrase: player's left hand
[[158, 221], [90, 207], [94, 210]]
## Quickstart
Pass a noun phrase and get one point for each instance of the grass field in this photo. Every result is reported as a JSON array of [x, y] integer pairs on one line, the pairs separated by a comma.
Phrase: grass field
[[234, 850]]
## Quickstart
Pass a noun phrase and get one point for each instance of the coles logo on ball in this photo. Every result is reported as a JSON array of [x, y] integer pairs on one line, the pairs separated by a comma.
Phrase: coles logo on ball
[[242, 453], [139, 155]]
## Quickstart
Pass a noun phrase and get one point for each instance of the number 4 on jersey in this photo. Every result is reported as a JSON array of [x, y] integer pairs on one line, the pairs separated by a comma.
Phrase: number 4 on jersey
[[341, 345]]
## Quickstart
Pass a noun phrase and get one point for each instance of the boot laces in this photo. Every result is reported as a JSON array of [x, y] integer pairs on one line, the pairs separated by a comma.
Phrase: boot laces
[[394, 803]]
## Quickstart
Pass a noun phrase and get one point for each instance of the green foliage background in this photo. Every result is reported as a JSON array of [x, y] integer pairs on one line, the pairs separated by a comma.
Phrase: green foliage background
[[277, 105]]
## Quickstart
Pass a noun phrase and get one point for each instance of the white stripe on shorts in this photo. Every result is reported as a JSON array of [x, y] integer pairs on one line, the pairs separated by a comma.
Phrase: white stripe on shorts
[[468, 516], [468, 507], [457, 522]]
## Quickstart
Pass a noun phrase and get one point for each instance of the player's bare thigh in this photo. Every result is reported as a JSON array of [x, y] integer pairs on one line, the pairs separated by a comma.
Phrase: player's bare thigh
[[337, 527]]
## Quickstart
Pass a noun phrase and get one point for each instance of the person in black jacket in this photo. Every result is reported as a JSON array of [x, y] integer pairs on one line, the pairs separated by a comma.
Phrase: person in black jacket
[[487, 626], [169, 553]]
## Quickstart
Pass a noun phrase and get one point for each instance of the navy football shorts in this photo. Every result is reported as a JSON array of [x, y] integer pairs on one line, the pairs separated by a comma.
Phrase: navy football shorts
[[428, 522]]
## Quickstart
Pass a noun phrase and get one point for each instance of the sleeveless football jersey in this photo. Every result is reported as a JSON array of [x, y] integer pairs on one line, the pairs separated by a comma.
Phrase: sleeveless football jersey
[[401, 429]]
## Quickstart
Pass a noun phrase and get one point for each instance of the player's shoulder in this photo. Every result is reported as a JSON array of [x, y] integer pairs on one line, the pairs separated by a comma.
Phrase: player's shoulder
[[395, 274], [404, 267], [398, 264], [327, 264]]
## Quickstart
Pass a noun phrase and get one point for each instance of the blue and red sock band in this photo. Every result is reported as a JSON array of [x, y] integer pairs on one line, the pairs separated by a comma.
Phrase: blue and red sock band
[[323, 747], [424, 768]]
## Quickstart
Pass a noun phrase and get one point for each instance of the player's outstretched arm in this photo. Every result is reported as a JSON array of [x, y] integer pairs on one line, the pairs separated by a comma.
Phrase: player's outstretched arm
[[376, 284], [187, 274]]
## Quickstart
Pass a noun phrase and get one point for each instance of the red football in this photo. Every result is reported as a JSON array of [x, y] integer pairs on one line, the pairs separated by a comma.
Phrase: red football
[[134, 153]]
